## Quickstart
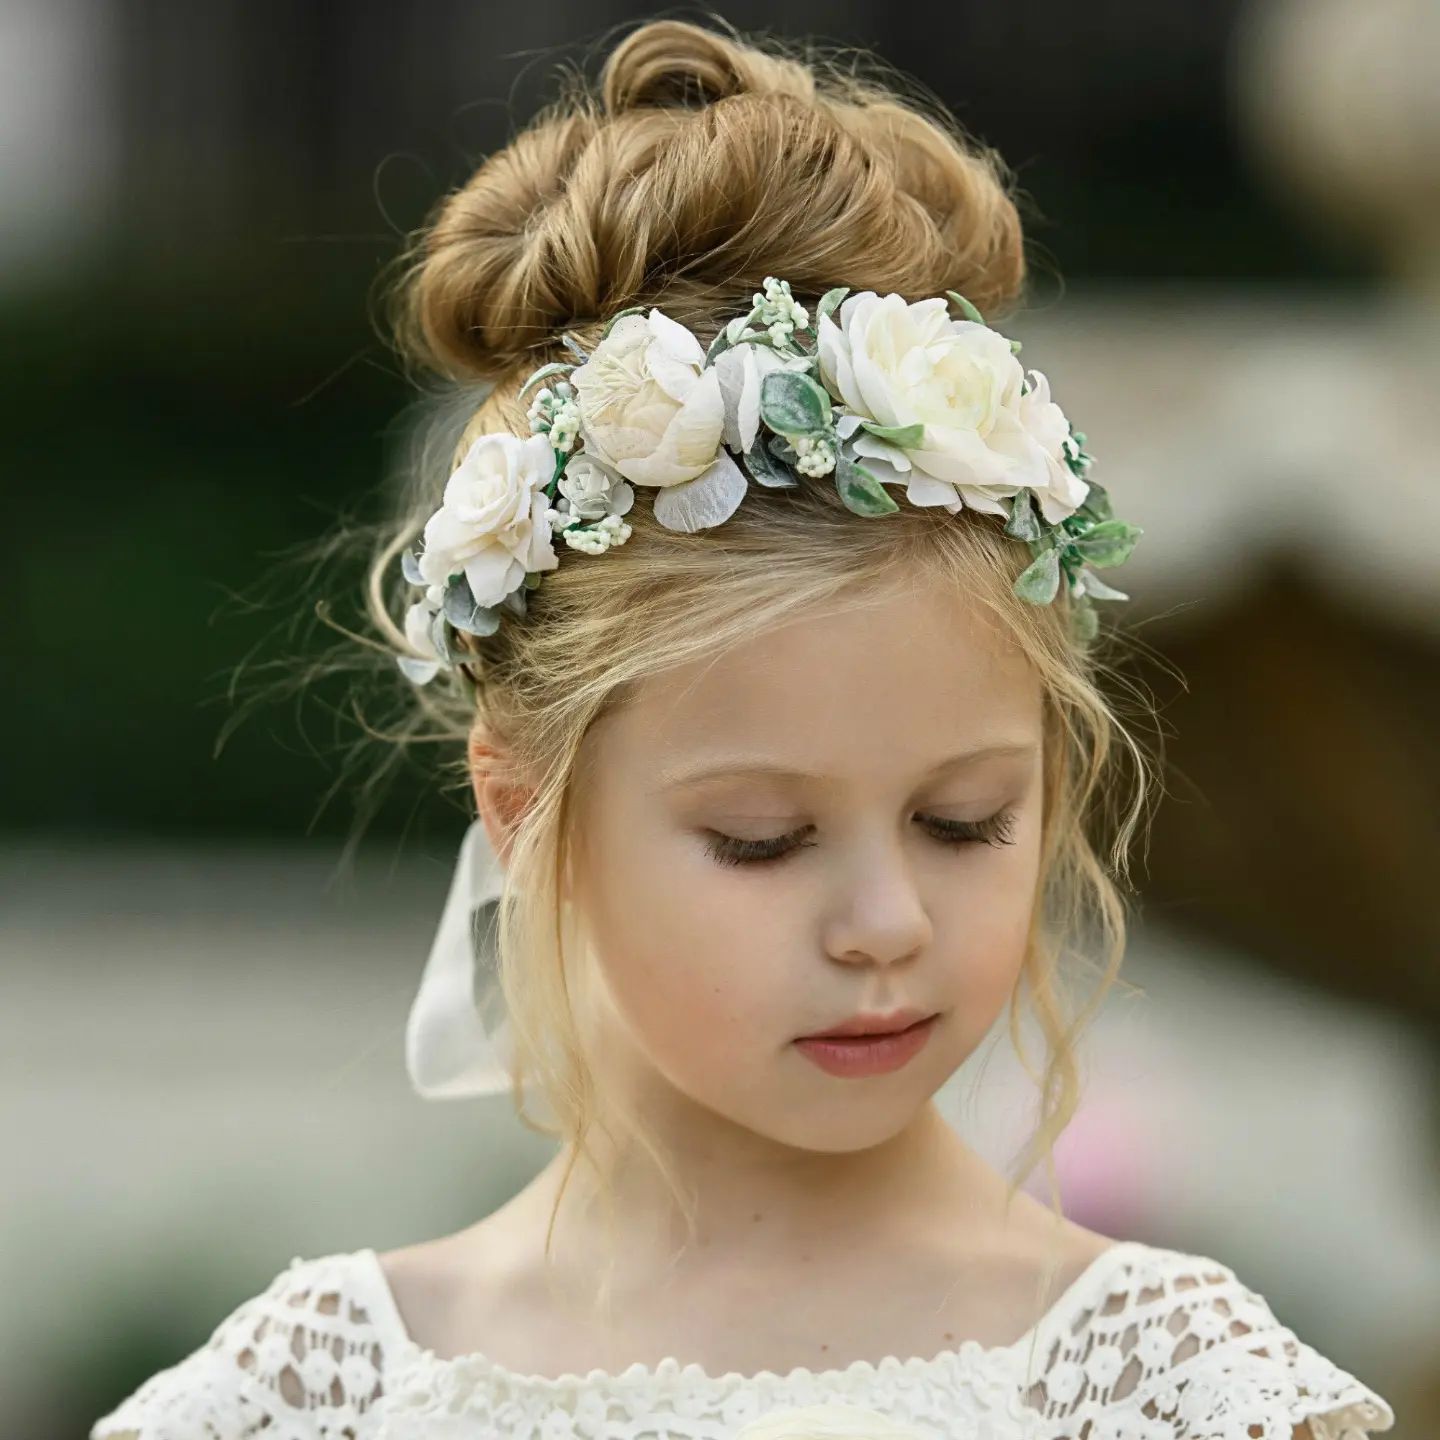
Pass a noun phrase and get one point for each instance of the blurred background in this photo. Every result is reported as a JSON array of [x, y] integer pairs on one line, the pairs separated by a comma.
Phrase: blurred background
[[1235, 228]]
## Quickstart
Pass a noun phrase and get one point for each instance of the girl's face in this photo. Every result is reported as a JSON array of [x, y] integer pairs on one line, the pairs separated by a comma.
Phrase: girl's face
[[841, 816]]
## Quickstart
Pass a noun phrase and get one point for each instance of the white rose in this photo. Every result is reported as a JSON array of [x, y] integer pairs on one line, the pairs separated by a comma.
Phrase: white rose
[[901, 364], [828, 1422], [594, 490], [492, 523], [649, 407]]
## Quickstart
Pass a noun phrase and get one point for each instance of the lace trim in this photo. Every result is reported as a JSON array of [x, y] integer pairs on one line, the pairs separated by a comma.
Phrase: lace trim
[[664, 1375], [300, 1361], [1146, 1344]]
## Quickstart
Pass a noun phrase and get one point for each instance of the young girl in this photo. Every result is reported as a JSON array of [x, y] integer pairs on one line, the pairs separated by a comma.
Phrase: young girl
[[761, 593]]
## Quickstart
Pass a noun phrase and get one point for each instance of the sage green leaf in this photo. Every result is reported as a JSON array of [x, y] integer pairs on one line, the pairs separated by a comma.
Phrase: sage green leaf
[[1023, 523], [1109, 543], [574, 347], [829, 303], [440, 637], [793, 404], [514, 602], [559, 367], [616, 319], [718, 346], [860, 490], [779, 446], [1039, 581], [766, 468], [969, 311], [1015, 347], [738, 326], [1085, 620], [1097, 589], [464, 614], [906, 436], [410, 567], [1096, 502], [532, 580]]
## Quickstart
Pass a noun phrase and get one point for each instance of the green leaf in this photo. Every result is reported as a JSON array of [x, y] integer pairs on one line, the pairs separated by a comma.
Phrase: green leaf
[[1039, 581], [793, 404], [1085, 620], [829, 303], [440, 638], [617, 318], [1023, 523], [574, 347], [969, 311], [514, 602], [906, 436], [559, 367], [464, 614], [1109, 543], [718, 346], [1015, 347], [860, 490], [1096, 502], [532, 580], [766, 469], [779, 446], [738, 326]]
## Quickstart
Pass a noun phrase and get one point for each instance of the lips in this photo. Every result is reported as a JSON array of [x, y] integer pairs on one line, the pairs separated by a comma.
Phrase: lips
[[872, 1025]]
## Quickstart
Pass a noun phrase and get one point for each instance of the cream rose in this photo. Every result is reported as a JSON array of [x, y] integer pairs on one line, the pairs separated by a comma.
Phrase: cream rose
[[828, 1422], [649, 407], [593, 490], [492, 522], [899, 365]]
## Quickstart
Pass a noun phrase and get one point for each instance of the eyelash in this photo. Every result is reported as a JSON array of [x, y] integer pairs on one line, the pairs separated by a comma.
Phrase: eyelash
[[728, 850]]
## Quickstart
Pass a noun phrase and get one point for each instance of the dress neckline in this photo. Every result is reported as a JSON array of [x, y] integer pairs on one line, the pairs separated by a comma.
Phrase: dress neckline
[[641, 1375]]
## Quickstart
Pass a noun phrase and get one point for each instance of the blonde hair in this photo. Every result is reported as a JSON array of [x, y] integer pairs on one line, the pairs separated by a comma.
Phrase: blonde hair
[[700, 164]]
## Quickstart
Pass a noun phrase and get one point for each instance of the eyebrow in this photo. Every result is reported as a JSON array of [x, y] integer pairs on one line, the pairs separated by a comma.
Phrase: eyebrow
[[741, 768]]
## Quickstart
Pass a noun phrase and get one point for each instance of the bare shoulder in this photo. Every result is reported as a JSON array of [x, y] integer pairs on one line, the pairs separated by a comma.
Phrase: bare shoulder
[[436, 1284]]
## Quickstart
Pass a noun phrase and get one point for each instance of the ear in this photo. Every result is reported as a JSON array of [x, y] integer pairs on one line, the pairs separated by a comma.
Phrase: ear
[[501, 802]]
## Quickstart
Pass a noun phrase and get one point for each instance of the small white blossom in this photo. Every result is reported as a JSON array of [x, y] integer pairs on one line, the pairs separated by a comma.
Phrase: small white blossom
[[780, 313], [817, 455], [555, 413]]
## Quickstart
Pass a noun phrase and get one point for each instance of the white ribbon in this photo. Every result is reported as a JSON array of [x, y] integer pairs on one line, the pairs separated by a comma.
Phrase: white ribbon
[[457, 1039]]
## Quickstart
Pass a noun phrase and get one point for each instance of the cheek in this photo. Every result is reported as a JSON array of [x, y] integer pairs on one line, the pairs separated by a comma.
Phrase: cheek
[[692, 965]]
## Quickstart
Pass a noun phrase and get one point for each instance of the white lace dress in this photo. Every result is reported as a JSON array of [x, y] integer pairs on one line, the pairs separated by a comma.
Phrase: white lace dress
[[1146, 1344]]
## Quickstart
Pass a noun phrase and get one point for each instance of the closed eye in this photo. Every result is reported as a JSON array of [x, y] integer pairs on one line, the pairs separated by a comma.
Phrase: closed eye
[[997, 829]]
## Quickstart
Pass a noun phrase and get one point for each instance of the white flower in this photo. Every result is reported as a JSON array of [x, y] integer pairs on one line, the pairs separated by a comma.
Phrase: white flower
[[492, 522], [831, 1421], [649, 407], [593, 490], [900, 364]]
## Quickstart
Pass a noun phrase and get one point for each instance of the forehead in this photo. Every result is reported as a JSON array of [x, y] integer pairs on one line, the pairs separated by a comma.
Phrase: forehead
[[892, 687]]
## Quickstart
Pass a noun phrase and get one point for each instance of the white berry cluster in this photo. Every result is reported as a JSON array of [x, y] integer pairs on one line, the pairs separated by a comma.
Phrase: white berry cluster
[[780, 313], [817, 455], [595, 538], [555, 413]]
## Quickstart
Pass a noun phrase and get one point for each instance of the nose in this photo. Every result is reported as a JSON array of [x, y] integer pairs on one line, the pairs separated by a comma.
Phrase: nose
[[878, 916]]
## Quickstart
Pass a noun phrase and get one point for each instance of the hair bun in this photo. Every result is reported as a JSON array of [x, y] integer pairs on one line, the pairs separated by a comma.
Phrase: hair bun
[[699, 165], [674, 64]]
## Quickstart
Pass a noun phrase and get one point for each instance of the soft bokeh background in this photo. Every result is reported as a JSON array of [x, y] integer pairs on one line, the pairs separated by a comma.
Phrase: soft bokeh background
[[1236, 226]]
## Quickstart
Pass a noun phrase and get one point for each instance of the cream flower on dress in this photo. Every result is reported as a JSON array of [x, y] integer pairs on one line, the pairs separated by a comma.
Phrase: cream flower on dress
[[492, 521], [951, 392], [833, 1421]]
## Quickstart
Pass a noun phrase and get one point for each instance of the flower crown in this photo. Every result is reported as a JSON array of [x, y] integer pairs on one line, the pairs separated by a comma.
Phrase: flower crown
[[895, 393]]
